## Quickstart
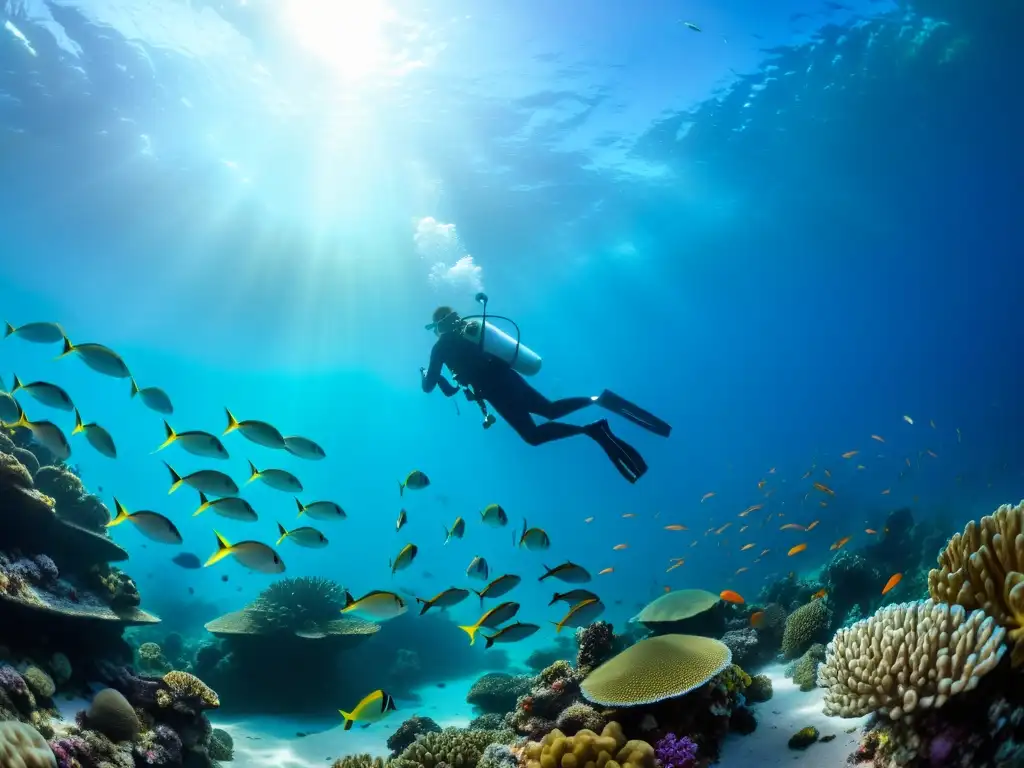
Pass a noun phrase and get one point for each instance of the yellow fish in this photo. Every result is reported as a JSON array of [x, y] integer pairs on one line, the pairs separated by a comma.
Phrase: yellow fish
[[252, 554], [373, 708]]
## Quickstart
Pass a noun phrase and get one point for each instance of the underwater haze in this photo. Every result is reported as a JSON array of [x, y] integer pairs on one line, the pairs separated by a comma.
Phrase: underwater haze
[[790, 230]]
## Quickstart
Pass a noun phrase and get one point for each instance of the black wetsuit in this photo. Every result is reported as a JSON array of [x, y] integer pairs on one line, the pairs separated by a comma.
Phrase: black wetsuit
[[508, 393]]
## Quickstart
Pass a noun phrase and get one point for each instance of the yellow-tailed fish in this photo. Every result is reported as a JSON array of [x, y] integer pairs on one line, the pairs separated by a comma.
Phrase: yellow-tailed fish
[[304, 448], [404, 558], [534, 539], [10, 411], [254, 555], [321, 510], [606, 571], [457, 530], [304, 536], [414, 481], [98, 357], [568, 572], [153, 398], [205, 480], [45, 393], [403, 518], [494, 516], [97, 436], [150, 524], [581, 614], [445, 599], [478, 569], [196, 442], [259, 432], [745, 547], [573, 596], [492, 619], [279, 479], [378, 605], [232, 507], [38, 333], [47, 434], [373, 708], [513, 633], [500, 586]]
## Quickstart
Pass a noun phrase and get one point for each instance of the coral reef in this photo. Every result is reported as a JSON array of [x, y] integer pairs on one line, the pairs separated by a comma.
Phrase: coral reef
[[759, 690], [498, 756], [673, 752], [544, 657], [497, 692], [489, 722], [556, 750], [596, 644], [22, 746], [151, 659], [452, 746], [361, 761], [297, 605], [412, 729], [804, 670], [805, 626], [40, 683], [744, 644], [112, 715], [71, 500], [907, 656], [580, 717], [222, 746]]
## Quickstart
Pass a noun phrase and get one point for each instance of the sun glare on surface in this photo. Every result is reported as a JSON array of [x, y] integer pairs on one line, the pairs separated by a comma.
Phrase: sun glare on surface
[[347, 34]]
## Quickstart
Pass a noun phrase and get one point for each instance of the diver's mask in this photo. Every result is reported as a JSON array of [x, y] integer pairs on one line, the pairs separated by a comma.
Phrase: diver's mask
[[446, 324]]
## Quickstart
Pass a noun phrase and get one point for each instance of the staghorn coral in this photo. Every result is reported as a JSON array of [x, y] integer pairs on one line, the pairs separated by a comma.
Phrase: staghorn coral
[[655, 669], [580, 717], [222, 746], [804, 670], [409, 731], [983, 568], [496, 692], [22, 746], [805, 626], [596, 644], [556, 750], [906, 656], [361, 761], [112, 715], [452, 746]]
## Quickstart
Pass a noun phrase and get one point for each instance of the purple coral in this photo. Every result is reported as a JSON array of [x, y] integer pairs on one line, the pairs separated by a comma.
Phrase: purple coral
[[71, 751], [11, 681], [673, 752], [47, 569]]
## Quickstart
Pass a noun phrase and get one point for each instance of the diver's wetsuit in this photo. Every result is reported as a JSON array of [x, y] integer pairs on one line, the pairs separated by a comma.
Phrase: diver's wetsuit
[[508, 393]]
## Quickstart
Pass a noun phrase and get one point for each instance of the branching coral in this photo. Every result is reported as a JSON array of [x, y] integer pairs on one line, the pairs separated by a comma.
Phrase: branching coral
[[454, 746], [361, 761], [186, 691], [906, 656], [983, 567], [805, 626]]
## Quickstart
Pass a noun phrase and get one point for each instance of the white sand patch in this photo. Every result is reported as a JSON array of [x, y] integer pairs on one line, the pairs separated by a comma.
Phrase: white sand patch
[[789, 710]]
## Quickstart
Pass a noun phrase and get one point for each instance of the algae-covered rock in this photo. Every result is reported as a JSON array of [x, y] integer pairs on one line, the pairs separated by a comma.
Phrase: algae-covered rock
[[803, 738]]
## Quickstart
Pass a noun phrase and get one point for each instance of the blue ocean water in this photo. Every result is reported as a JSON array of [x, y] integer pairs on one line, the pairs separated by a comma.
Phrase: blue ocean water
[[783, 233]]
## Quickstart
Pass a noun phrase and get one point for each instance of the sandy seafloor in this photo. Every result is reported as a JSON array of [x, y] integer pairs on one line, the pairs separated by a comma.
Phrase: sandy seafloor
[[271, 742]]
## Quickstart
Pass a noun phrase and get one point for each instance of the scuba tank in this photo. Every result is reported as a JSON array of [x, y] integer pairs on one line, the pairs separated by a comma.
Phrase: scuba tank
[[495, 341]]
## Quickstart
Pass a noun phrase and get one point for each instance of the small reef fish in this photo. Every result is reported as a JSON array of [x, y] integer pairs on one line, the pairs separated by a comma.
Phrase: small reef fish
[[98, 357], [895, 579], [205, 480], [750, 509], [534, 539], [588, 520], [582, 614], [879, 438], [444, 599], [745, 547], [304, 448], [259, 432], [187, 560], [47, 434], [378, 605], [231, 507], [720, 531], [805, 475], [254, 555], [691, 25], [513, 633], [740, 570], [676, 527], [373, 708], [870, 531], [494, 516], [732, 597], [757, 619], [278, 479], [195, 442], [38, 333], [706, 496], [321, 510], [414, 481], [152, 525], [792, 527], [478, 569], [764, 552], [958, 434], [841, 543], [45, 393], [827, 474], [824, 489], [457, 530], [885, 492], [620, 547], [796, 550], [606, 571], [908, 419], [97, 436], [500, 586], [403, 518], [672, 567], [568, 572], [304, 536], [933, 454], [153, 398], [744, 528], [814, 524], [492, 619], [404, 558], [628, 515], [573, 596], [819, 594], [761, 484], [850, 454]]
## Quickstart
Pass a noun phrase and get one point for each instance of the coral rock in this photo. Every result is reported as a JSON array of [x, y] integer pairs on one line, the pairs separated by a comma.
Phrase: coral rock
[[496, 692], [409, 731], [112, 715], [187, 692], [22, 746], [556, 750], [803, 738], [759, 690], [222, 746], [579, 717], [39, 682]]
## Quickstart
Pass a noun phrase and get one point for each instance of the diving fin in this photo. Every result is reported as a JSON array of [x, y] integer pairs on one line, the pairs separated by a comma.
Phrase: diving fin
[[616, 404]]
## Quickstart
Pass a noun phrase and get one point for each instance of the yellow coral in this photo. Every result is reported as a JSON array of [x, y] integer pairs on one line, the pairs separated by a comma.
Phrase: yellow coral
[[735, 679], [586, 748], [185, 686], [983, 567]]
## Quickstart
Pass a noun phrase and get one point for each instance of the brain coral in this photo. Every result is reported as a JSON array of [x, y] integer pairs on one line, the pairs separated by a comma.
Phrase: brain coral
[[22, 746], [803, 627], [112, 715], [906, 656], [983, 567], [556, 750], [655, 669]]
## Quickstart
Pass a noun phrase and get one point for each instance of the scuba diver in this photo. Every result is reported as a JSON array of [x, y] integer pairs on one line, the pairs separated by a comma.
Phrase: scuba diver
[[487, 364]]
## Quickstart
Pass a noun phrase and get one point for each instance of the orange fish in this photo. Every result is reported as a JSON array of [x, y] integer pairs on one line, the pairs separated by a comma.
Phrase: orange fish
[[761, 484], [850, 454], [879, 438], [667, 589], [819, 594], [618, 547], [908, 420], [757, 619], [824, 489], [821, 504], [797, 550], [588, 520], [676, 527], [748, 510], [805, 475], [673, 566], [933, 454], [745, 547], [813, 525], [870, 531], [841, 543], [827, 473], [885, 492], [606, 570], [719, 531], [765, 552], [741, 570], [895, 579], [731, 597], [706, 496], [792, 527], [629, 514]]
